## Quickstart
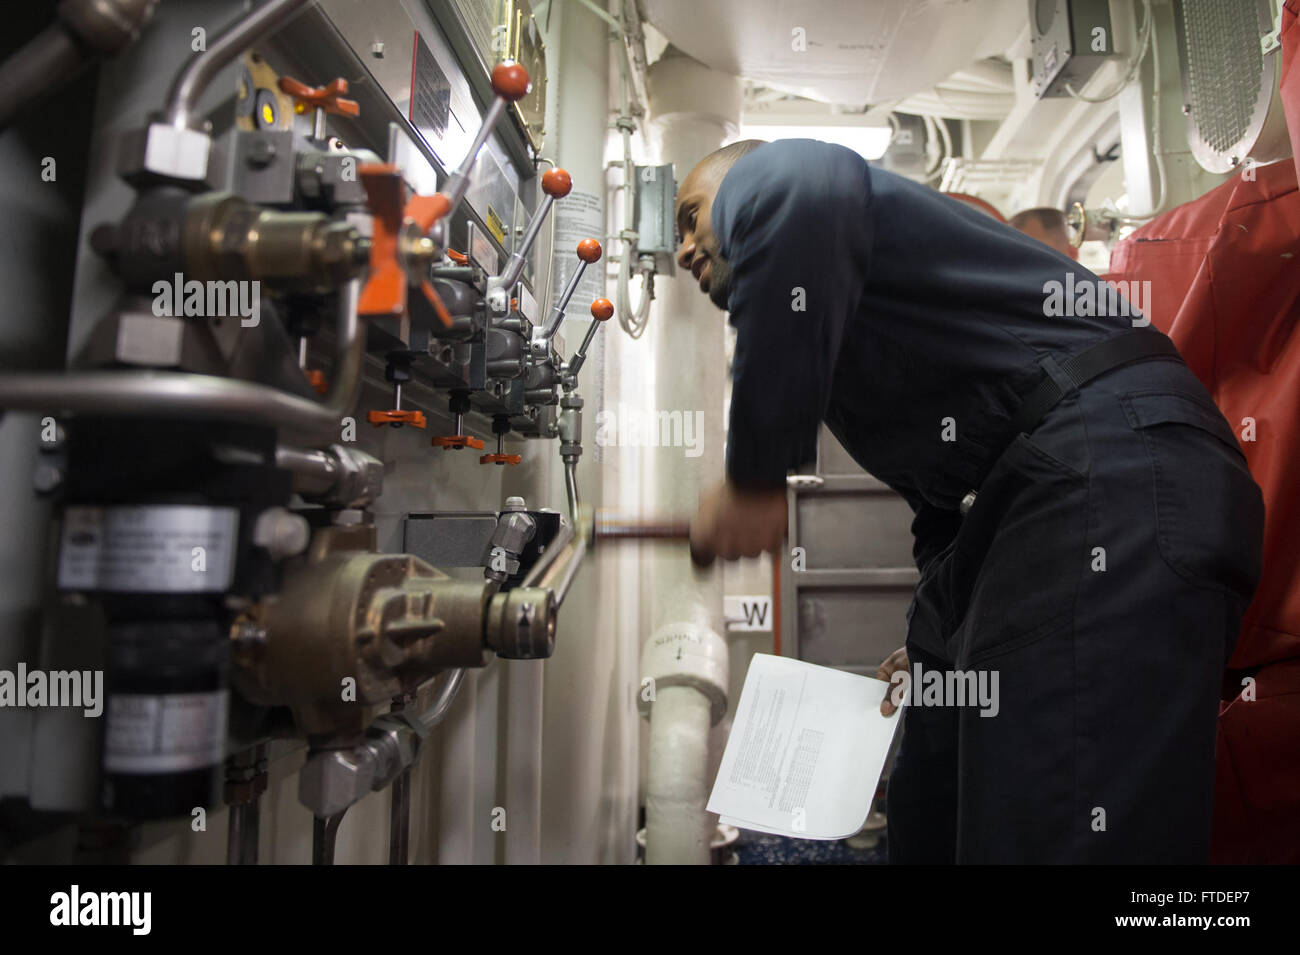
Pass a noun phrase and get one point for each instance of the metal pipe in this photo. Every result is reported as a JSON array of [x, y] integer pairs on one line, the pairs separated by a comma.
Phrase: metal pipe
[[399, 819], [243, 834], [437, 711], [323, 837], [314, 472], [183, 99], [235, 836], [164, 394], [50, 58], [566, 569], [571, 487], [633, 320], [86, 30]]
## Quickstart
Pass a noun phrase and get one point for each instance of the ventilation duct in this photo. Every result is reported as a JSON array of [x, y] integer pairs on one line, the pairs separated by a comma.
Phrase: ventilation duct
[[1230, 85]]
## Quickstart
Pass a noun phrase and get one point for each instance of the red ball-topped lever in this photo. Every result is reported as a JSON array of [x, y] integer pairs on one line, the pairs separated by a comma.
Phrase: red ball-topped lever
[[556, 183], [602, 310], [589, 252], [510, 81]]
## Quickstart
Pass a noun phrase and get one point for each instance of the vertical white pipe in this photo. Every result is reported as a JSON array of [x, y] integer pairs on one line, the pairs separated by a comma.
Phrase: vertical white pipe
[[677, 831], [693, 111]]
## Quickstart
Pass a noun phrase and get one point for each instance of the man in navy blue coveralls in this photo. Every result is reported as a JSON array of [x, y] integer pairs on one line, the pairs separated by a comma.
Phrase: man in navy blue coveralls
[[1099, 560]]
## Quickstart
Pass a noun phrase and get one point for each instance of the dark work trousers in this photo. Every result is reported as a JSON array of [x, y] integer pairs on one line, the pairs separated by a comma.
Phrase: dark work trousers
[[1102, 572]]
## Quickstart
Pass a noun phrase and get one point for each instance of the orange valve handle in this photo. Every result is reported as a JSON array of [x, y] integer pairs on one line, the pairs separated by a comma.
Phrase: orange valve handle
[[602, 309], [460, 258], [328, 97], [589, 251], [386, 290], [385, 293], [457, 441], [500, 459], [396, 418]]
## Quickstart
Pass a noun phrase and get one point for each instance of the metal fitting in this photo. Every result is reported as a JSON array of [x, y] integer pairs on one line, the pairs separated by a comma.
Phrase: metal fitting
[[521, 624], [162, 152], [341, 476], [281, 533], [332, 780], [106, 26], [226, 237], [570, 426], [383, 622], [515, 528]]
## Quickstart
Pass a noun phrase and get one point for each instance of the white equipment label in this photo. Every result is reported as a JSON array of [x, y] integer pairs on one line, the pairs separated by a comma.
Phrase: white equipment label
[[580, 216], [148, 549], [748, 613], [484, 252], [165, 734]]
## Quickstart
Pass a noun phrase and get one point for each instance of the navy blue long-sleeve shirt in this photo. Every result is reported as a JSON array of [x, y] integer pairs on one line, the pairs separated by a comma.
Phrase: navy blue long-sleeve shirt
[[883, 308]]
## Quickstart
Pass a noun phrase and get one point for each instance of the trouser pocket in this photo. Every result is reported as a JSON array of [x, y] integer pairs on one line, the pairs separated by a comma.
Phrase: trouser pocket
[[1209, 510], [1017, 560]]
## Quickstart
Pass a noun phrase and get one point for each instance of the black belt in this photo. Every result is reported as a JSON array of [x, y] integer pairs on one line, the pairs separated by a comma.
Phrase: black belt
[[1090, 363]]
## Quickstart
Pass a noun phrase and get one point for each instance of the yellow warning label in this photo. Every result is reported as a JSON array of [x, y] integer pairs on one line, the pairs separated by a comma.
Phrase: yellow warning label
[[495, 226]]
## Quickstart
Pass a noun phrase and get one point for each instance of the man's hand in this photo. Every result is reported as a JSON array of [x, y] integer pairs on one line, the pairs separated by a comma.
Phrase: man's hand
[[895, 661], [733, 522]]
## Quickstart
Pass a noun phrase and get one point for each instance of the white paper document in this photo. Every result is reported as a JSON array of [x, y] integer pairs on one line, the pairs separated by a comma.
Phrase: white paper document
[[805, 752]]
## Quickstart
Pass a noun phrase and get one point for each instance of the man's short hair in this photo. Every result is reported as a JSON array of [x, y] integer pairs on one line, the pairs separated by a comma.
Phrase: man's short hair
[[727, 156], [1045, 217]]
